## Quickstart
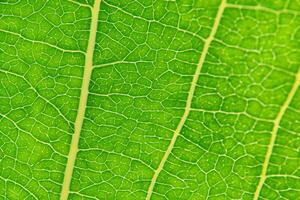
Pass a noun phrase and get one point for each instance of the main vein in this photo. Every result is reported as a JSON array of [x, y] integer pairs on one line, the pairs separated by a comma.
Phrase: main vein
[[82, 102], [276, 126], [189, 98]]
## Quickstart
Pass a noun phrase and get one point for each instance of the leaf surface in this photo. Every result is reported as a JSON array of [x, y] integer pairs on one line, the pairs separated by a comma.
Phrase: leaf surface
[[149, 99]]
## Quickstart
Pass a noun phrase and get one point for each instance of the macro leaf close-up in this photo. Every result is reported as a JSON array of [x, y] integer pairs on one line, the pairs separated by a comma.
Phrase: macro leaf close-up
[[149, 99]]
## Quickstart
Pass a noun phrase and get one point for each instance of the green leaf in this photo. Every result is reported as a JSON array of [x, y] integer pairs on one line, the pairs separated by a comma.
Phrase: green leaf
[[147, 99]]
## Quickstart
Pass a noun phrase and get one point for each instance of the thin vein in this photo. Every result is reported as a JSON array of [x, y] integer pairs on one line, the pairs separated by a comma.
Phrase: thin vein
[[189, 98], [262, 8], [80, 4], [82, 103], [152, 20], [40, 42], [38, 94], [31, 135], [275, 129]]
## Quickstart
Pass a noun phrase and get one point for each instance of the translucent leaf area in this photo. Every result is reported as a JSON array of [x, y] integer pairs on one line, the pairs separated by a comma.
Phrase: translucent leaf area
[[149, 99]]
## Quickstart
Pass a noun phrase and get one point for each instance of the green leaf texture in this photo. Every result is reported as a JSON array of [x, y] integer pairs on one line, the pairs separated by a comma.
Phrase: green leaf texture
[[149, 99]]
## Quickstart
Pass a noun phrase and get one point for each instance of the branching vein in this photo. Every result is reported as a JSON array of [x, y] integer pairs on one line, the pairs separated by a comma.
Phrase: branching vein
[[82, 103], [276, 126], [189, 98]]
